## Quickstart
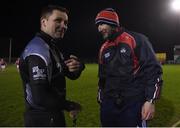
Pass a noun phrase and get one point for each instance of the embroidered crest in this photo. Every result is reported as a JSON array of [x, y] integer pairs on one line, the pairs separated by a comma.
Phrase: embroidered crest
[[107, 55], [122, 50], [38, 73]]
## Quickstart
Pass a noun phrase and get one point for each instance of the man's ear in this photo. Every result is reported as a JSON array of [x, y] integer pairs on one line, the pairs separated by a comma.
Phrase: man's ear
[[43, 22]]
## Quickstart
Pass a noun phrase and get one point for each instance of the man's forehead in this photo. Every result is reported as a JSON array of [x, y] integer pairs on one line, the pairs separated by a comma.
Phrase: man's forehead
[[60, 14]]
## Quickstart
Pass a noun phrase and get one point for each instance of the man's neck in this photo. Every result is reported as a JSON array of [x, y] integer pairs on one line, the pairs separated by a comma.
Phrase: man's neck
[[116, 32]]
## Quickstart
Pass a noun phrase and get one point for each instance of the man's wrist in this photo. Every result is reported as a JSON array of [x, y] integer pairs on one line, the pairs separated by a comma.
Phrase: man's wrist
[[151, 101]]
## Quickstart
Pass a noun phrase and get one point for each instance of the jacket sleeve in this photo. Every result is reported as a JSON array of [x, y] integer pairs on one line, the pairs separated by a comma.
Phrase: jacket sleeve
[[42, 92], [152, 71]]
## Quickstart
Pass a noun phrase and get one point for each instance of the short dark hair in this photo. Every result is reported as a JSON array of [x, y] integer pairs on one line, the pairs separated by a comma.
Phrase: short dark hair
[[46, 11]]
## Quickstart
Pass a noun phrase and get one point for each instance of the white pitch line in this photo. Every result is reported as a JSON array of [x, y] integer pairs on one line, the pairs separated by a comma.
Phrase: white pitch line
[[176, 124]]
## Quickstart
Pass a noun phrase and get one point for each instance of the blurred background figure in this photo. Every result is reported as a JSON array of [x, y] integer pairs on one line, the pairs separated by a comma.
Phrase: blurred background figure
[[3, 64], [17, 64]]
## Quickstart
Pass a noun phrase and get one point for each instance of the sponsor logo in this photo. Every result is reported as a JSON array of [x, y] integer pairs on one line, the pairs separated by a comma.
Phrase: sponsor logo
[[107, 55], [58, 65], [122, 50], [38, 73]]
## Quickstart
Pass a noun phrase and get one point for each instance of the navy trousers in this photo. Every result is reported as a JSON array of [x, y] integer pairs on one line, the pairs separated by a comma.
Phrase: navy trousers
[[122, 115]]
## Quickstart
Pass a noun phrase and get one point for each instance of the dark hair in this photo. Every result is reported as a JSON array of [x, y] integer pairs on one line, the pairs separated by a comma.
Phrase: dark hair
[[46, 11]]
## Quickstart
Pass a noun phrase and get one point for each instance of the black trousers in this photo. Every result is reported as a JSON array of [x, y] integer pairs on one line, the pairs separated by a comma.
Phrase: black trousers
[[44, 119]]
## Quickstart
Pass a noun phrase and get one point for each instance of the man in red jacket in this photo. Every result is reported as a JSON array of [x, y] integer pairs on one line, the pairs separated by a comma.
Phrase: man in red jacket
[[129, 74]]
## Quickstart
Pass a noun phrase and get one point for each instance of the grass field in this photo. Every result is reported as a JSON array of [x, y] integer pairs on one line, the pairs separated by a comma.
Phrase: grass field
[[84, 91]]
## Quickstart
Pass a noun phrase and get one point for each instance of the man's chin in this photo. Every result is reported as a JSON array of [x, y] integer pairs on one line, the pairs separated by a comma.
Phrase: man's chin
[[59, 36]]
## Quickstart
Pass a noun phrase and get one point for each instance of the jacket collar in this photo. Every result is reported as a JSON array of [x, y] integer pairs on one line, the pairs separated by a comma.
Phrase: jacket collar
[[114, 35], [47, 38]]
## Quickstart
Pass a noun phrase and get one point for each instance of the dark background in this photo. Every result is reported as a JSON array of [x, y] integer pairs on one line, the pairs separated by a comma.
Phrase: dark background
[[154, 18]]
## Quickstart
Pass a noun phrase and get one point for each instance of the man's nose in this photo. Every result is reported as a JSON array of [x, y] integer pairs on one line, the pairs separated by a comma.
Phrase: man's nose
[[64, 25]]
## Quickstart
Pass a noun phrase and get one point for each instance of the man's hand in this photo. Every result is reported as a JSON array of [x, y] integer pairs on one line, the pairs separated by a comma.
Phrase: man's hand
[[76, 109], [73, 64], [73, 108], [73, 114], [148, 111]]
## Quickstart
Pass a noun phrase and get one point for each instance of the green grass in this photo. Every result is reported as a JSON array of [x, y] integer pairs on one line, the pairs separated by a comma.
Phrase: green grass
[[168, 107], [84, 91], [11, 98]]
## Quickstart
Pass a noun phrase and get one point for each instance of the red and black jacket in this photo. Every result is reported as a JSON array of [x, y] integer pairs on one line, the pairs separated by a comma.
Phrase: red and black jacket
[[128, 67]]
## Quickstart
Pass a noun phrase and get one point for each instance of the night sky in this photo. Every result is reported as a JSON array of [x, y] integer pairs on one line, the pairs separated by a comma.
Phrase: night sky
[[154, 18]]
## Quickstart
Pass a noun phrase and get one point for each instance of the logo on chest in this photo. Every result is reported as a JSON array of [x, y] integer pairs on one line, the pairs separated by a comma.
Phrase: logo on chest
[[59, 66], [38, 73], [106, 55], [123, 50]]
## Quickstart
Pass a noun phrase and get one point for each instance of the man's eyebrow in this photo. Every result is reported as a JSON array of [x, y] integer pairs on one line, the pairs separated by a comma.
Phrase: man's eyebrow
[[60, 19]]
